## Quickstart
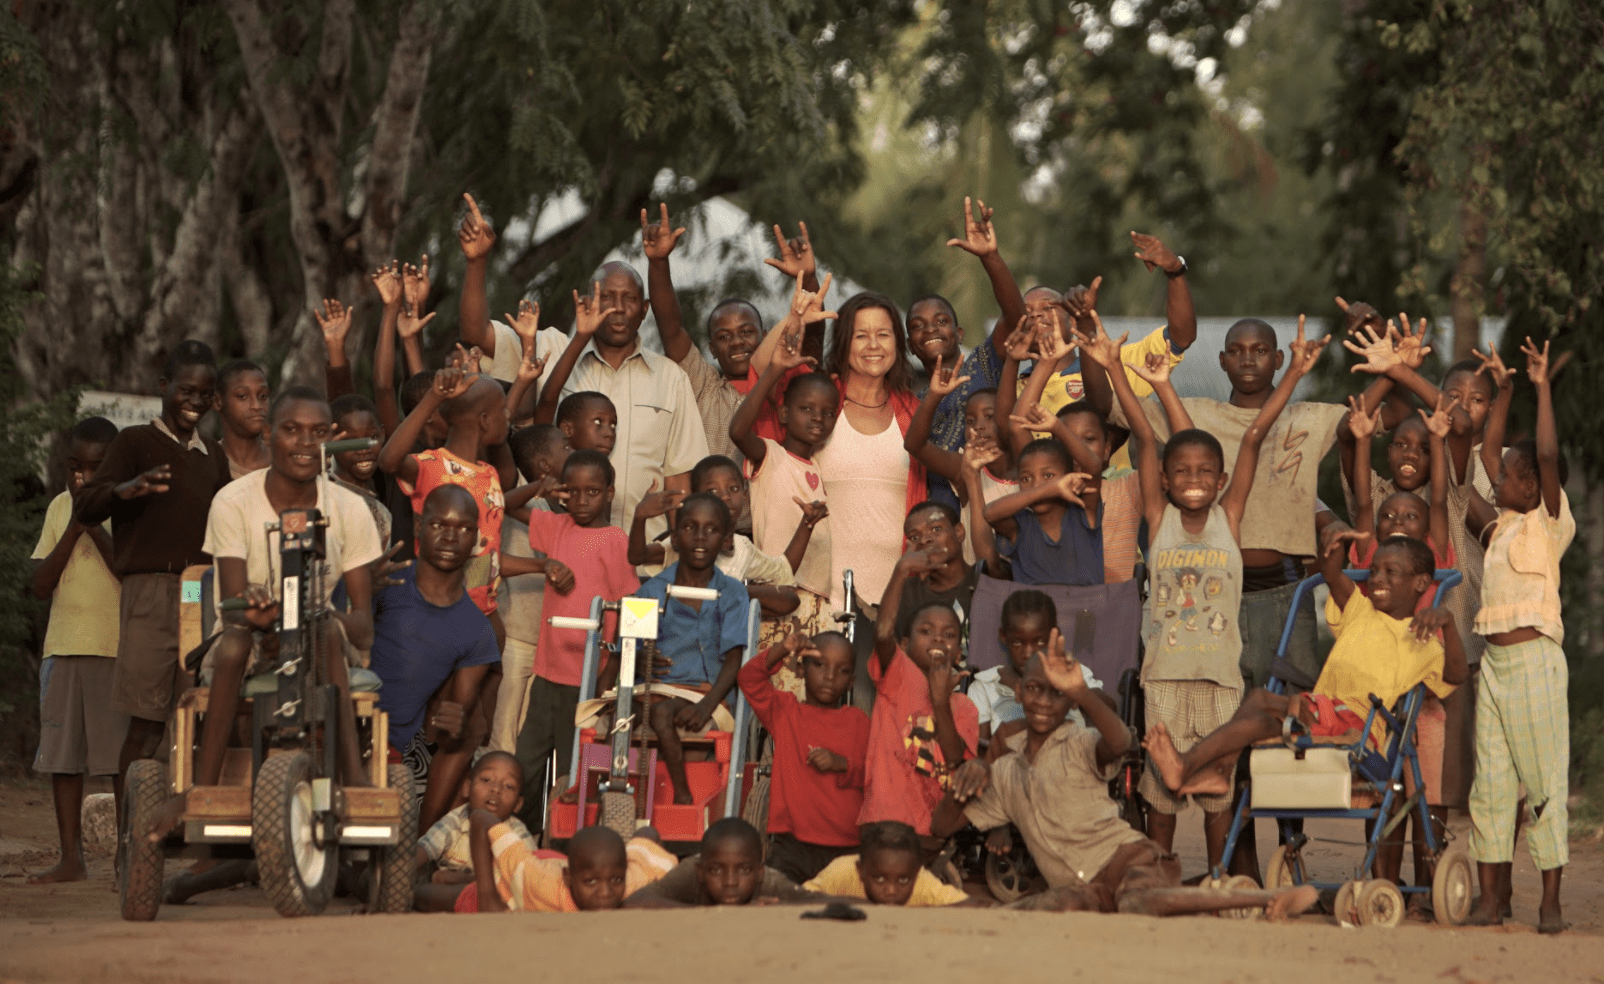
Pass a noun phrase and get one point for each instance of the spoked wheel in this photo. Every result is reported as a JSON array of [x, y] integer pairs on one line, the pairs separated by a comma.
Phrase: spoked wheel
[[1452, 887], [393, 867], [1345, 907], [1240, 883], [617, 813], [298, 870], [141, 885], [1006, 877], [1279, 873], [1380, 904]]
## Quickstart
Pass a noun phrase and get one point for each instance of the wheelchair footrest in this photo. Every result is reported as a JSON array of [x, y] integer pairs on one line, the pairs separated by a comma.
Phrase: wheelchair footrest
[[1320, 780]]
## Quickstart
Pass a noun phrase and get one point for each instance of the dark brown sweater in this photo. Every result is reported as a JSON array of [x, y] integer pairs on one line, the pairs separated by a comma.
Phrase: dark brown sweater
[[160, 533]]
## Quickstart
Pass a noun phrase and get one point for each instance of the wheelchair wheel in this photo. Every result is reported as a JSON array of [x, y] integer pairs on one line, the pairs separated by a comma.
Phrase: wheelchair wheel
[[1380, 904], [297, 870], [392, 868], [1005, 876], [1278, 874], [143, 863], [755, 810], [1345, 905], [1239, 883], [1452, 887], [617, 813]]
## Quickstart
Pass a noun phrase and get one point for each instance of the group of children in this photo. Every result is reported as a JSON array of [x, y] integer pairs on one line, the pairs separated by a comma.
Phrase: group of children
[[491, 505]]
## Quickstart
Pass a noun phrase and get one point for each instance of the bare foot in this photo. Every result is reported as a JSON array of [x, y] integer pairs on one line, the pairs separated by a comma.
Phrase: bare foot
[[169, 818], [1291, 902], [683, 797], [1161, 749], [1549, 920], [1208, 784], [66, 870]]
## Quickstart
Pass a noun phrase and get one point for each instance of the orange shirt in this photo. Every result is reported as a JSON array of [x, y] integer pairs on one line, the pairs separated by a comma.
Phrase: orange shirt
[[440, 467]]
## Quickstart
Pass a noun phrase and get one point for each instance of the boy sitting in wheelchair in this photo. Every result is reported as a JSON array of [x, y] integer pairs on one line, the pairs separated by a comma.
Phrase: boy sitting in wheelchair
[[1383, 648]]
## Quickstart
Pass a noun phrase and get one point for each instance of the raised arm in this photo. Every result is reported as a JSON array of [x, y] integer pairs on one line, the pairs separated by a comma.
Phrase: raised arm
[[1103, 353], [1547, 436], [334, 320], [1363, 427], [1438, 425], [980, 239], [530, 365], [410, 329], [395, 458], [387, 280], [653, 504], [943, 678], [981, 537], [1334, 560], [786, 345], [1180, 318], [1000, 514], [1016, 348], [587, 319], [1156, 373], [797, 259], [1304, 354], [473, 311], [917, 441], [914, 563], [1034, 417], [1064, 673], [658, 240]]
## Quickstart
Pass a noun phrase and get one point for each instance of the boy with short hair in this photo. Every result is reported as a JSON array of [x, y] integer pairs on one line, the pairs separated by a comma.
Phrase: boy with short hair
[[887, 870], [728, 870], [445, 855], [156, 486], [241, 402], [589, 420], [79, 732], [700, 641], [598, 873], [934, 531], [820, 750]]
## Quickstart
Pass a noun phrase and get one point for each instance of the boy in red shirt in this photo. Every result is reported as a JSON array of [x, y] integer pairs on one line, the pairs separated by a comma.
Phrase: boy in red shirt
[[819, 753], [920, 731], [585, 557]]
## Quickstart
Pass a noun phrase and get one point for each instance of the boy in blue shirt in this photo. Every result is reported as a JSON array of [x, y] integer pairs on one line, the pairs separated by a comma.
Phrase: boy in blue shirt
[[699, 642]]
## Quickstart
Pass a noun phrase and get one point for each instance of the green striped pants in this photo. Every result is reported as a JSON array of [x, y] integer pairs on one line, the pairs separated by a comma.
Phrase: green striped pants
[[1523, 738]]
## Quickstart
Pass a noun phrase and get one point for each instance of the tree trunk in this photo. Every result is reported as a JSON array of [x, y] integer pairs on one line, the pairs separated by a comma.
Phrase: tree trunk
[[1469, 284]]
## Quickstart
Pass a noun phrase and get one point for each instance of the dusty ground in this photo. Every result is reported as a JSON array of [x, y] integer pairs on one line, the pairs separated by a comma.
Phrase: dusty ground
[[72, 933]]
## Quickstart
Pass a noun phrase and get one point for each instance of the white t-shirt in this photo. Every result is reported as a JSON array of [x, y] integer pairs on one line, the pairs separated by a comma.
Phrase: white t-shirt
[[236, 527]]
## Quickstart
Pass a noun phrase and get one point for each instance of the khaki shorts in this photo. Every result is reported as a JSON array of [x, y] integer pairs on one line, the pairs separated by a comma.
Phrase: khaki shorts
[[79, 732], [1190, 709], [149, 679]]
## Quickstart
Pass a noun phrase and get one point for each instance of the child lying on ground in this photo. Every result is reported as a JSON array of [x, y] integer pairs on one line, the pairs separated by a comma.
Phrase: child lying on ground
[[887, 870], [728, 871], [1053, 786], [445, 857], [599, 871]]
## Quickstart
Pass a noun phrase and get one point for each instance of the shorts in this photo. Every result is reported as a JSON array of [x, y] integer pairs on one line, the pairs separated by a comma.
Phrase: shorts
[[801, 861], [1331, 719], [1190, 709], [149, 679], [1263, 617], [79, 732]]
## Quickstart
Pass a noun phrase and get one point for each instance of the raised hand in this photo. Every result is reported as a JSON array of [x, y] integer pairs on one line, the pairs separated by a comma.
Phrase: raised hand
[[1052, 346], [1439, 423], [466, 359], [1536, 361], [1156, 369], [659, 503], [1411, 343], [1082, 301], [796, 255], [788, 354], [475, 233], [944, 382], [1016, 347], [408, 324], [658, 239], [1032, 417], [1334, 544], [1493, 365], [808, 307], [1062, 669], [1377, 347], [151, 482], [528, 370], [527, 324], [385, 569], [452, 381], [1362, 425], [977, 456], [1429, 622], [387, 280], [334, 319], [812, 512], [1305, 352], [1153, 253], [1098, 347], [1358, 315], [980, 238], [824, 760], [942, 676], [415, 283], [1070, 485], [588, 315]]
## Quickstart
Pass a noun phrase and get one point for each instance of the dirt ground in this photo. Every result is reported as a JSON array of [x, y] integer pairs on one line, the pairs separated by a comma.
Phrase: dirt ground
[[72, 933]]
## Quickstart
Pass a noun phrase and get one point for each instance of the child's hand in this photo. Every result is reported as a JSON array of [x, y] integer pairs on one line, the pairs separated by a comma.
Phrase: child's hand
[[528, 371], [1429, 622], [1411, 343], [694, 717], [527, 324], [796, 255], [1438, 424], [1338, 543], [1053, 348], [808, 307], [466, 359], [1098, 347], [335, 321], [978, 454], [1536, 361], [999, 841], [588, 313], [1156, 370], [1358, 315], [1070, 486], [1154, 253], [1016, 347], [824, 760], [261, 611], [655, 503], [152, 482], [559, 577], [1377, 348], [942, 676], [1493, 365], [415, 283], [475, 233], [1328, 536], [788, 354], [1361, 425], [408, 324], [1032, 417], [447, 720], [979, 236], [1062, 669], [969, 780], [451, 382], [387, 279], [1081, 302], [946, 381], [1304, 352], [659, 239], [813, 513]]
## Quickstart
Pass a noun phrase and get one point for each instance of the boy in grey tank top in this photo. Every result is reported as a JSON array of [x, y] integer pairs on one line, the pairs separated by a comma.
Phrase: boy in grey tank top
[[1194, 640]]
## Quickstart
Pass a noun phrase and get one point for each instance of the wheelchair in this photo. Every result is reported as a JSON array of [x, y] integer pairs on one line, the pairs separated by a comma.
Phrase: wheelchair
[[278, 800], [1304, 777], [618, 781]]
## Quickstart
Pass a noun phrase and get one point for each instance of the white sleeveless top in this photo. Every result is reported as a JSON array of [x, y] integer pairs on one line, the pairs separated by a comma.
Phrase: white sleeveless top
[[866, 476]]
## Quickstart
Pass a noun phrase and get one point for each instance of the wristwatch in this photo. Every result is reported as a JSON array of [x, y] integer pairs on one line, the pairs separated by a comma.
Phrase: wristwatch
[[1172, 274]]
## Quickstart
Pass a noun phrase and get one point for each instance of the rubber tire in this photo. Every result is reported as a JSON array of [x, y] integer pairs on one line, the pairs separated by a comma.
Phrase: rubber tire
[[1381, 904], [145, 792], [393, 868], [1240, 883], [1278, 873], [617, 812], [280, 780], [755, 810], [1345, 906], [1005, 877], [1452, 887]]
